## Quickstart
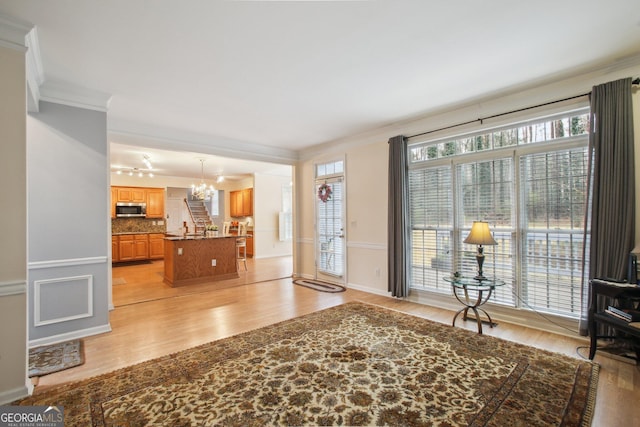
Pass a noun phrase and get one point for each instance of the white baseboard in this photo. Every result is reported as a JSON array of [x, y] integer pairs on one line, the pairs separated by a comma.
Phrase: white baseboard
[[9, 396], [369, 290], [82, 333]]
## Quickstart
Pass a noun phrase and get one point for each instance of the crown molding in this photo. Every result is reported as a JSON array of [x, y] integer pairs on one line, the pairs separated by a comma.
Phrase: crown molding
[[65, 93], [170, 139], [23, 37], [557, 86], [13, 33], [35, 73]]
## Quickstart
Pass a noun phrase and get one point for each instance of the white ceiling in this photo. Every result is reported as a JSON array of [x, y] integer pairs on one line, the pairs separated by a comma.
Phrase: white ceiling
[[288, 75], [187, 164]]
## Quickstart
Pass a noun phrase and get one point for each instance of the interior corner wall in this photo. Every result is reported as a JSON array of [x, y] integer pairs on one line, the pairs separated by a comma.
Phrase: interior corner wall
[[68, 223], [366, 215], [13, 245], [267, 195], [366, 175]]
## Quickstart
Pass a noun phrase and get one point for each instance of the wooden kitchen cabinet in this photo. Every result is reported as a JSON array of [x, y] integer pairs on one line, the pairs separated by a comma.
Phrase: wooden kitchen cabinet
[[114, 197], [131, 194], [141, 250], [153, 197], [125, 247], [241, 202], [156, 246], [155, 203], [250, 246], [133, 247], [115, 257], [247, 202]]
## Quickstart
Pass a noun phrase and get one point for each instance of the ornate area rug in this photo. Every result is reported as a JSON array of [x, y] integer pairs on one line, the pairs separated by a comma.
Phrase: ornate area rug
[[319, 285], [354, 364], [55, 357]]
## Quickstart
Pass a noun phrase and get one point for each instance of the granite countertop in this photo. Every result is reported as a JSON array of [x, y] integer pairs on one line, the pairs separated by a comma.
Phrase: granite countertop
[[137, 232], [197, 237]]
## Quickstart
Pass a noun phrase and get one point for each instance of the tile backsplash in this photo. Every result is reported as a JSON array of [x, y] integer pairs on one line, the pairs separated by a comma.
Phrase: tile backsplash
[[137, 225]]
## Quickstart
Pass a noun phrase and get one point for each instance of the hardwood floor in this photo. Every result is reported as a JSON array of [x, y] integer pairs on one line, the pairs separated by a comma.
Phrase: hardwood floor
[[151, 319]]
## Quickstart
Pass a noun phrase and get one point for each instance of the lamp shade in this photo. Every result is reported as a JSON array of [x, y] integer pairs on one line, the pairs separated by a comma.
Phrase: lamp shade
[[480, 234]]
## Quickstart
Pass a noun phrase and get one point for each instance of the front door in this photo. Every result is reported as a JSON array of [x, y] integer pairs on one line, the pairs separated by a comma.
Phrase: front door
[[330, 231]]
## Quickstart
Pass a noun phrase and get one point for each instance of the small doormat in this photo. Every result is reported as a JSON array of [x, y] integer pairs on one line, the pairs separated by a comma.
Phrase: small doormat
[[55, 357], [118, 281], [319, 285]]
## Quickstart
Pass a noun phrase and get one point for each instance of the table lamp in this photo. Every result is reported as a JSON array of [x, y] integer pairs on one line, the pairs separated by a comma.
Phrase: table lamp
[[480, 235]]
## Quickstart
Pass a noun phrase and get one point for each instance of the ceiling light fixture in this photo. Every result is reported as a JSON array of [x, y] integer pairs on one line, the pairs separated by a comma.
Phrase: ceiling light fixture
[[134, 171], [202, 191], [147, 162]]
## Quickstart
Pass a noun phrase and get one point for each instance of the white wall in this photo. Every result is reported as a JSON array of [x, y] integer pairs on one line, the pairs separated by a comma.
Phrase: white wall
[[367, 164], [267, 201], [68, 223], [13, 215]]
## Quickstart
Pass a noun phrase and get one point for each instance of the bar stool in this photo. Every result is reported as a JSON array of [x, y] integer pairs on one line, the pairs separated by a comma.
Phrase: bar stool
[[241, 245], [225, 228]]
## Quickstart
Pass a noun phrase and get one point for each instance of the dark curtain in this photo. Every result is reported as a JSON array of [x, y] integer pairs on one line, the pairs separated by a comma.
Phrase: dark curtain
[[613, 204], [398, 223]]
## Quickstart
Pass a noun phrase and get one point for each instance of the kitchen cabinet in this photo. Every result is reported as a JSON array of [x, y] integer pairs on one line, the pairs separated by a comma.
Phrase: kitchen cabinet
[[153, 197], [114, 197], [115, 257], [241, 202], [155, 203], [247, 202], [249, 246], [131, 194], [156, 246], [133, 247]]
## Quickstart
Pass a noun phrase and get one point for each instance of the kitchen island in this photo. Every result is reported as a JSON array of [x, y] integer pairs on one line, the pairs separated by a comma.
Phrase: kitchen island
[[197, 259]]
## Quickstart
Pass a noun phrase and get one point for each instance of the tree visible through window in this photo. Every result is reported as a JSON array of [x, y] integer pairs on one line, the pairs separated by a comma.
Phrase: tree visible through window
[[529, 181]]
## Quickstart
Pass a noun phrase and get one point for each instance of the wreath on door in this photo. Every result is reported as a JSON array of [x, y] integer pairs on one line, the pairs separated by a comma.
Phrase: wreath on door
[[324, 192]]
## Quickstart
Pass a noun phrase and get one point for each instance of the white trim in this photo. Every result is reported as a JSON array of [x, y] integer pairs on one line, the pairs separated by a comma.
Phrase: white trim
[[8, 396], [13, 32], [369, 290], [367, 245], [558, 86], [37, 284], [129, 133], [66, 93], [502, 313], [81, 333], [13, 288], [35, 75], [12, 46], [36, 265]]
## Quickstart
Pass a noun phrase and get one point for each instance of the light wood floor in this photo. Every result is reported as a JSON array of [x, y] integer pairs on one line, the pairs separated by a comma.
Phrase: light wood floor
[[151, 319]]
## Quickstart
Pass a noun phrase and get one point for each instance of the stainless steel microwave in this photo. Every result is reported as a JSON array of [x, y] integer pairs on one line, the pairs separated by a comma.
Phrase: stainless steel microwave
[[131, 210]]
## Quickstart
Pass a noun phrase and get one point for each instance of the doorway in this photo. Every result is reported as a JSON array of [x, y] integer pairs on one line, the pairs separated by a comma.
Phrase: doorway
[[330, 242]]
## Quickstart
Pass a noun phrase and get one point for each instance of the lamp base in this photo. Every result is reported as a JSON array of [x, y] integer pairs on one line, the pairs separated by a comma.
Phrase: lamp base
[[480, 260]]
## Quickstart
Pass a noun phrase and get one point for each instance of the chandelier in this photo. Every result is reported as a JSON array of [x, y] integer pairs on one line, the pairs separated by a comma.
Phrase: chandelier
[[202, 191]]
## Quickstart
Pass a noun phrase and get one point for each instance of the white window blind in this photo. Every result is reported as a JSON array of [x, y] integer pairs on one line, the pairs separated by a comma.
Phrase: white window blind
[[431, 228], [554, 198], [529, 182]]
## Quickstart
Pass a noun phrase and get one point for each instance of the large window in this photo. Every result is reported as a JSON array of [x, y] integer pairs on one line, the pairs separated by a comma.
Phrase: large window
[[529, 181]]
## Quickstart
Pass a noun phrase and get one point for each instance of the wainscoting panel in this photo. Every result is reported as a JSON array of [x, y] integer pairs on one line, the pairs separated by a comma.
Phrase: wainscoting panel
[[75, 293]]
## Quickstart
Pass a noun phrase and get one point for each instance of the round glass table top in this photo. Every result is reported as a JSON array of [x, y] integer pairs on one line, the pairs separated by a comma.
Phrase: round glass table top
[[473, 283]]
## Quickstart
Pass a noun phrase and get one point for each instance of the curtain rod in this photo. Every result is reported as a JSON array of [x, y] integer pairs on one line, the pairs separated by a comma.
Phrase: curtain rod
[[633, 82]]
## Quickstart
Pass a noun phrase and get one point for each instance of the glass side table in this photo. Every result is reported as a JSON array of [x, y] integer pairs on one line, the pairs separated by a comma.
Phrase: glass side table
[[472, 293]]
